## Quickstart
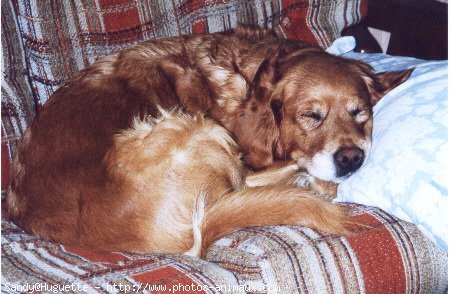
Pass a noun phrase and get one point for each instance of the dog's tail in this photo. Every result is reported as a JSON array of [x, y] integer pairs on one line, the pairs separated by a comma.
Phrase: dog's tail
[[197, 220], [264, 206]]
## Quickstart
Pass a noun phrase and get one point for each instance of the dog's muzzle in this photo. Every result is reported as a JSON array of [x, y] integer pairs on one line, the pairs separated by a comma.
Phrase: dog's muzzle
[[348, 160]]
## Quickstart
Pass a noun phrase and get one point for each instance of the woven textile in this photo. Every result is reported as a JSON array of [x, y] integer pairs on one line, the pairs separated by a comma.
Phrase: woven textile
[[18, 105], [46, 42], [30, 262], [62, 37], [390, 256]]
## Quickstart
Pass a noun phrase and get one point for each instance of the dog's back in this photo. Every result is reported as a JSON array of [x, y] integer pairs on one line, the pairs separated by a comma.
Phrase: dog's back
[[154, 172]]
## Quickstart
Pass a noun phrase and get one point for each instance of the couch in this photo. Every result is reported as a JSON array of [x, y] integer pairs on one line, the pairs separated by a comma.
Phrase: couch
[[46, 42]]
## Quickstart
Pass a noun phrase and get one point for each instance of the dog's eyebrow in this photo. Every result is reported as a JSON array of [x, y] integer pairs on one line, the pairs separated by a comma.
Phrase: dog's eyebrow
[[352, 105], [314, 107]]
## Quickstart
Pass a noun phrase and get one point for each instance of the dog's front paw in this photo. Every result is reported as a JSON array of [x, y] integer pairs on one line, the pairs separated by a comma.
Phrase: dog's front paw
[[328, 190], [325, 190], [304, 180]]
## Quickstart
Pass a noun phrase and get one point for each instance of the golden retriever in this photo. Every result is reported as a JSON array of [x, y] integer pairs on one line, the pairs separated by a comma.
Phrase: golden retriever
[[93, 169]]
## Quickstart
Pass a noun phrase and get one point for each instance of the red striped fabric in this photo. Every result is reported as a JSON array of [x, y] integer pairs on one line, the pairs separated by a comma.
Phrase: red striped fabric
[[390, 256], [379, 257]]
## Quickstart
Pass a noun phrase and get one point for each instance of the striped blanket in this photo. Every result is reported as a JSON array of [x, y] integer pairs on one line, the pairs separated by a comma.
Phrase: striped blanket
[[391, 256]]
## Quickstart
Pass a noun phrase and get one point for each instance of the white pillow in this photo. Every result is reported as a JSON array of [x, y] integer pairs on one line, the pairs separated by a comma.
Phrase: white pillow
[[405, 173]]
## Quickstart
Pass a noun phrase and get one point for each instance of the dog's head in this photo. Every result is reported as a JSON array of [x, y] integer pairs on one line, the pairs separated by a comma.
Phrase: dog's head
[[313, 108]]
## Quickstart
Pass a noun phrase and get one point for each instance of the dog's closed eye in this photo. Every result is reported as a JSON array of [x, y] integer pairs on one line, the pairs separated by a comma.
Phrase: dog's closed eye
[[312, 115], [361, 115], [311, 119]]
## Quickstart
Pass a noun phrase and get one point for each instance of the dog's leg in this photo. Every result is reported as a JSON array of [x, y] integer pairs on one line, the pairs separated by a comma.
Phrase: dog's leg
[[271, 205], [275, 174], [289, 174]]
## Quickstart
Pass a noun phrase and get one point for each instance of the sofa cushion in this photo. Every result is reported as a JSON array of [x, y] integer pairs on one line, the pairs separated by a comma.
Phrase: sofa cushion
[[390, 256]]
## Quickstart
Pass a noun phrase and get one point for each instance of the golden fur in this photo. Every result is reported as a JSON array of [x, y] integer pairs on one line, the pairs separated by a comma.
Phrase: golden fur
[[185, 175]]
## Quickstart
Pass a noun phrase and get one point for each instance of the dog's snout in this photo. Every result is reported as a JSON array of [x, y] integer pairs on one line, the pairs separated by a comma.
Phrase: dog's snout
[[348, 160]]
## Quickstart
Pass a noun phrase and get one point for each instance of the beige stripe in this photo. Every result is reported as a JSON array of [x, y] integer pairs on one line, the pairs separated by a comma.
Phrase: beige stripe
[[357, 271]]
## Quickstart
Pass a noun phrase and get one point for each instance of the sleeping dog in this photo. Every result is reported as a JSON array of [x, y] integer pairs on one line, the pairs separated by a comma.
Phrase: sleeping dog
[[99, 168]]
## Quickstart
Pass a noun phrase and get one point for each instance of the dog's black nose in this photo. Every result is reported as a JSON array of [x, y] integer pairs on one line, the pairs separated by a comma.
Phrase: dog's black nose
[[348, 160]]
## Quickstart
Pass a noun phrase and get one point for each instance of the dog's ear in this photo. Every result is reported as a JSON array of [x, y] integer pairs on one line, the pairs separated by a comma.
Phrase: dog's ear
[[253, 124], [379, 84], [383, 82]]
